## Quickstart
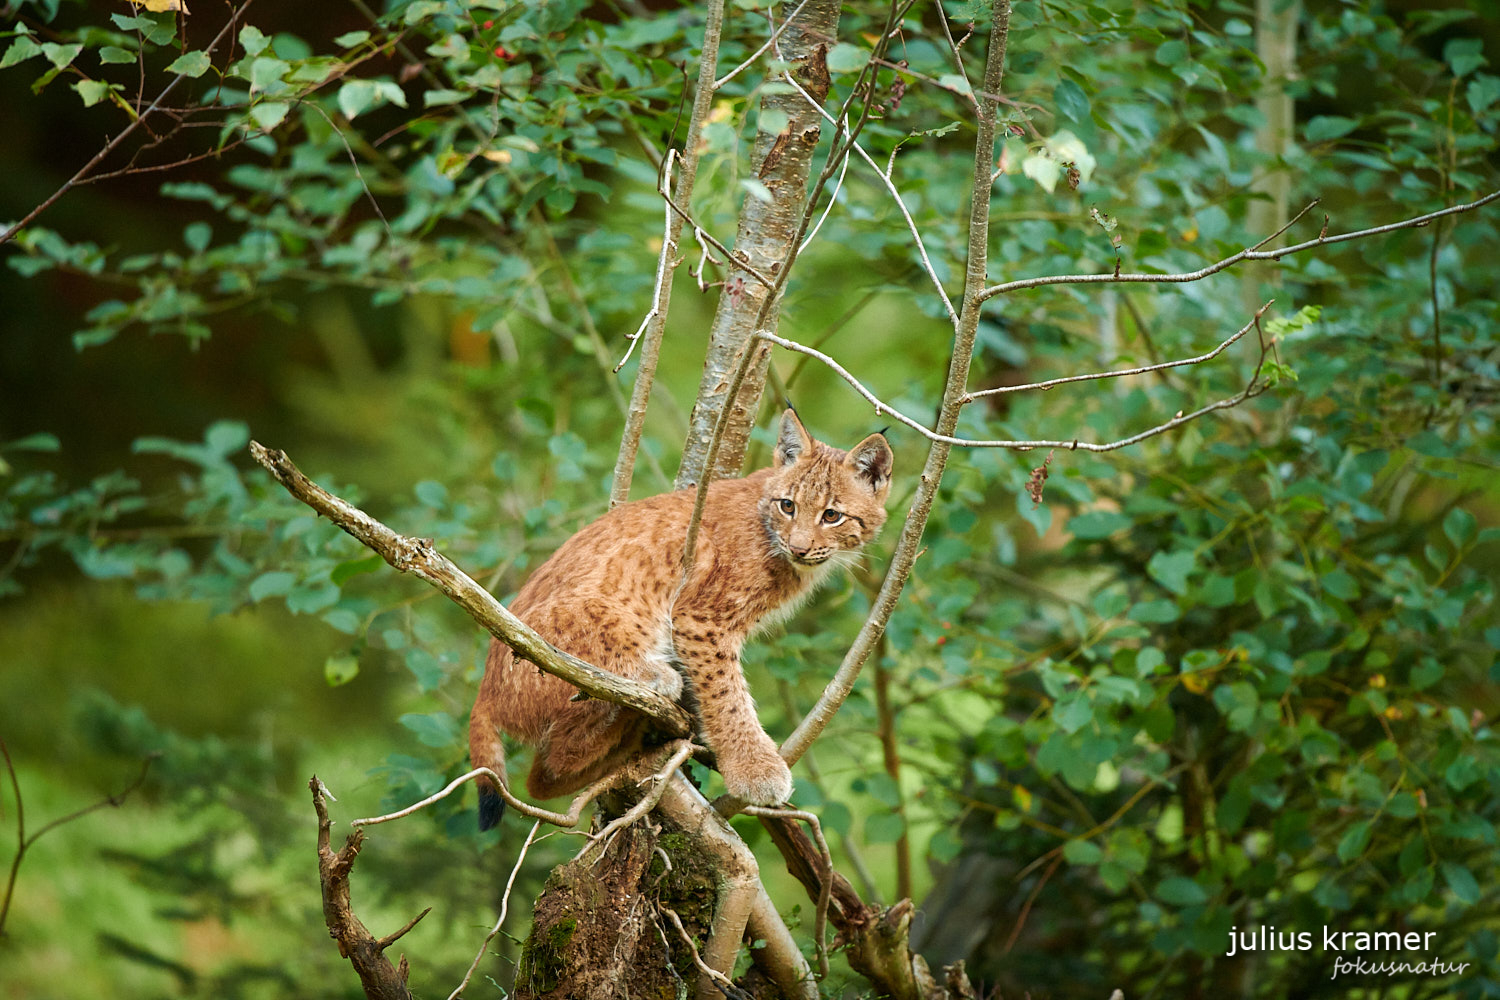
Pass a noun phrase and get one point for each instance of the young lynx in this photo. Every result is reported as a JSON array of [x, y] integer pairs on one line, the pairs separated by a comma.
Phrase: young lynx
[[611, 596]]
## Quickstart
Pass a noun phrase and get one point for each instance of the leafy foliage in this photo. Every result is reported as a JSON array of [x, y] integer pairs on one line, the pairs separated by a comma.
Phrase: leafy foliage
[[1240, 676]]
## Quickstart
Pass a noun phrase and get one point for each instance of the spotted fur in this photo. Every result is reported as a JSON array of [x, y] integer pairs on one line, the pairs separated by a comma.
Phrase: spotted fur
[[610, 596]]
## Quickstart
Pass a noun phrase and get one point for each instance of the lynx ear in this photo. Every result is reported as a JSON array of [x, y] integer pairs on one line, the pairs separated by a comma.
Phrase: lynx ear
[[792, 441], [871, 460]]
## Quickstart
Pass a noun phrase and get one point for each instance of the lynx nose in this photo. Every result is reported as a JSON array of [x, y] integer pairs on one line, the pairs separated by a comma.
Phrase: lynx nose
[[798, 550]]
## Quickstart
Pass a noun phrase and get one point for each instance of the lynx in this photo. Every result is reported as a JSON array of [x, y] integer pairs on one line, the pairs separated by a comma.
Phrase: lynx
[[614, 596]]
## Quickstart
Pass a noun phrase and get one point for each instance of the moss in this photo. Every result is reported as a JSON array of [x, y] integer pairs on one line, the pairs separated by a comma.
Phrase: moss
[[541, 965]]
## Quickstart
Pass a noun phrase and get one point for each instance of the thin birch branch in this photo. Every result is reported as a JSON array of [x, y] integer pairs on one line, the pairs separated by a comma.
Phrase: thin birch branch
[[884, 604], [969, 397], [504, 906], [1228, 262], [885, 409], [825, 877], [645, 376], [419, 557], [124, 133], [775, 34], [566, 820]]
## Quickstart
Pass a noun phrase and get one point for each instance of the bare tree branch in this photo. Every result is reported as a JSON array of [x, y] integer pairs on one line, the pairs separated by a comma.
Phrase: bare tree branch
[[419, 557], [640, 396], [504, 906], [955, 385], [1230, 261], [366, 953], [23, 842], [125, 133]]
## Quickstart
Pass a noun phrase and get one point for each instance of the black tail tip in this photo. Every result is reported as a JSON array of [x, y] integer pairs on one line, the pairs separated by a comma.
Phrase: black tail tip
[[491, 808]]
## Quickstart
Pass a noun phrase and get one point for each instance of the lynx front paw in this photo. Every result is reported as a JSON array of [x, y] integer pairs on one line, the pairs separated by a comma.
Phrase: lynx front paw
[[762, 780]]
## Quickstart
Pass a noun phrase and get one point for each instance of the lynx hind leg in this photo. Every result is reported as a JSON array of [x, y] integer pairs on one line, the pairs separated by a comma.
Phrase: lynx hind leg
[[585, 743]]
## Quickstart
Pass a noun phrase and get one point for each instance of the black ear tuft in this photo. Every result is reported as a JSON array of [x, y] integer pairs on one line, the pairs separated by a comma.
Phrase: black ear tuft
[[792, 441], [871, 461]]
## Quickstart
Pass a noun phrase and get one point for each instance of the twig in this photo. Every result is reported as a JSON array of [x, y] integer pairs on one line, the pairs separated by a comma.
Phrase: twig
[[729, 988], [567, 820], [825, 877], [667, 246], [419, 557], [775, 34], [881, 407], [645, 376], [890, 186], [965, 330], [1227, 262], [23, 842], [504, 906], [125, 133], [969, 397]]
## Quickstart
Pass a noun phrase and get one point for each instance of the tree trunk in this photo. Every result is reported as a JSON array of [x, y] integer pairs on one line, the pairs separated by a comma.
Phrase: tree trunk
[[767, 228]]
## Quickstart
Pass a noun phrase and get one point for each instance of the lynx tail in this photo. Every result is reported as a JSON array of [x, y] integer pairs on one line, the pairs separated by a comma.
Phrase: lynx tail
[[485, 750]]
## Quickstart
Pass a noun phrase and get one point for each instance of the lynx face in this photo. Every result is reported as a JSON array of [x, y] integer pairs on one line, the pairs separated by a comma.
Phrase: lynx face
[[821, 503]]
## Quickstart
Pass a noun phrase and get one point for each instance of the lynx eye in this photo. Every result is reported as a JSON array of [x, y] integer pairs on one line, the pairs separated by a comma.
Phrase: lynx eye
[[831, 516], [787, 507]]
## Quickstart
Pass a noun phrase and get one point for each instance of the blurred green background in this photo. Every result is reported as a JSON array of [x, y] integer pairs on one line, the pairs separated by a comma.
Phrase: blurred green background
[[1239, 675]]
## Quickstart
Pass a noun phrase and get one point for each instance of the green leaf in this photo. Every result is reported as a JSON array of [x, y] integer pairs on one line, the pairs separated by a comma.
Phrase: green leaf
[[1460, 527], [1073, 712], [92, 91], [190, 64], [846, 58], [1465, 55], [1461, 881], [33, 442], [351, 38], [269, 114], [253, 40], [1427, 673], [356, 96], [1082, 852], [266, 72], [1071, 101], [115, 54], [20, 50], [438, 729], [1325, 127], [1482, 91], [884, 827], [1155, 612], [346, 571], [1097, 524], [60, 55], [1354, 842], [432, 494], [1181, 891], [339, 670], [1171, 569], [272, 584]]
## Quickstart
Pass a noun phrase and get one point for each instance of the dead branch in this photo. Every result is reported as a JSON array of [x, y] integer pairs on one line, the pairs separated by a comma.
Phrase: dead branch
[[419, 557], [365, 952]]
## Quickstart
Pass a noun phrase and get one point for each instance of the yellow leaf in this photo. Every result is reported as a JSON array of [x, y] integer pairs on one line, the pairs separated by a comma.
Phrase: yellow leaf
[[161, 6], [1195, 682], [1022, 798]]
